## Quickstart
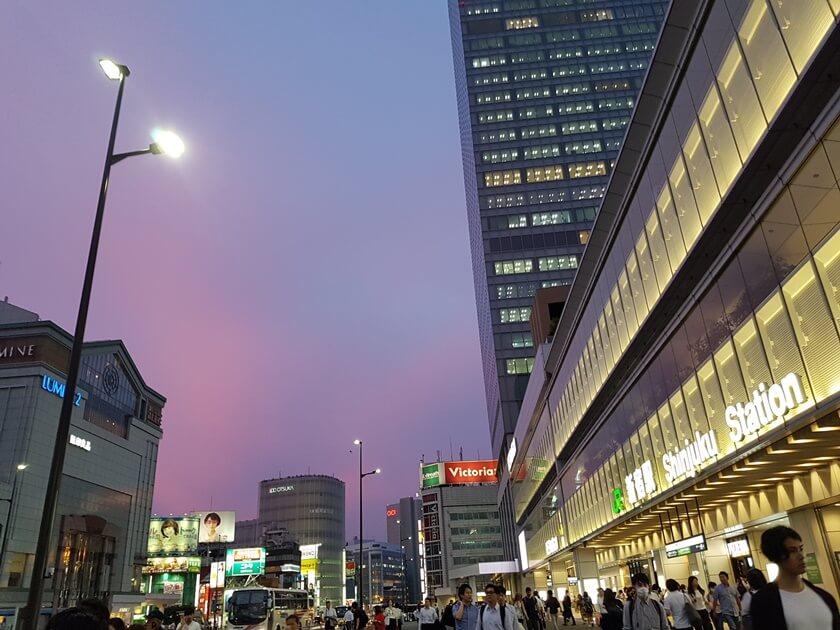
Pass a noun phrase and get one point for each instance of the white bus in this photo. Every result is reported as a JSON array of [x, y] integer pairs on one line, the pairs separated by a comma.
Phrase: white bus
[[261, 608]]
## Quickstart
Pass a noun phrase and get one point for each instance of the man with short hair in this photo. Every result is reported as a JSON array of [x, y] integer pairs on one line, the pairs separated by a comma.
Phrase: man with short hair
[[730, 605], [392, 615], [350, 618], [464, 611], [292, 622], [188, 623], [427, 616], [493, 615], [532, 615], [154, 620], [790, 602], [552, 610], [330, 617], [642, 612]]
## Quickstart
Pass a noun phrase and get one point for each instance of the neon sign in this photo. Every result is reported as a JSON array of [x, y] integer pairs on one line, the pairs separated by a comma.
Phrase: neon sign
[[56, 387], [768, 405], [390, 513]]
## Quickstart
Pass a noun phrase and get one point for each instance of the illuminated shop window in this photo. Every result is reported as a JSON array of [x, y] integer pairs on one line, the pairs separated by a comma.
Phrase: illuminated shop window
[[502, 178], [587, 169], [508, 267], [544, 174], [522, 22]]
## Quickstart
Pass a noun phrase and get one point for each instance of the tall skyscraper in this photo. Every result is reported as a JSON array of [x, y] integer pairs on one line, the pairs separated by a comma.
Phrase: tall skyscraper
[[545, 90]]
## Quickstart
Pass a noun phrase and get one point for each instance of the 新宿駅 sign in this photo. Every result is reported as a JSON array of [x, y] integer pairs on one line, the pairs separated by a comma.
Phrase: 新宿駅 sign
[[768, 405]]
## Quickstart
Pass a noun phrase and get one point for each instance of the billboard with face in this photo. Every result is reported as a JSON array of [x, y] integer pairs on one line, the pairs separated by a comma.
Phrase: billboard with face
[[216, 527], [173, 536]]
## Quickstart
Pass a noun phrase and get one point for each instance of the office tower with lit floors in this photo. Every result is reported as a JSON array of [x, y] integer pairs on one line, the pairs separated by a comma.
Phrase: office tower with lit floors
[[545, 89]]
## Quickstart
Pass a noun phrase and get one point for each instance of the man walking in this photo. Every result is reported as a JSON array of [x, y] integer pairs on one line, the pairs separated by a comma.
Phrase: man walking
[[392, 616], [492, 615], [532, 613], [726, 597], [427, 616], [552, 609], [790, 602], [464, 611], [642, 612], [330, 617]]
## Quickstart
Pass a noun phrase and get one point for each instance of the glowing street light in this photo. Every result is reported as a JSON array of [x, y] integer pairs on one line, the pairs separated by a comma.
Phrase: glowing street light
[[164, 142]]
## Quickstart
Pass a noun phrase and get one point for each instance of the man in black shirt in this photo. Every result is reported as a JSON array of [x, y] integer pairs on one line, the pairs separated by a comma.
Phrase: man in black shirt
[[532, 610]]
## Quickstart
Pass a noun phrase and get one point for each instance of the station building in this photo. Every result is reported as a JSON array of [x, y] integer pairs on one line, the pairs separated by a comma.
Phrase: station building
[[689, 397]]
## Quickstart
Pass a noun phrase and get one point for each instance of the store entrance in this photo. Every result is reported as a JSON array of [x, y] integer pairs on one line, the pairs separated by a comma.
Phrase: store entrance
[[642, 565]]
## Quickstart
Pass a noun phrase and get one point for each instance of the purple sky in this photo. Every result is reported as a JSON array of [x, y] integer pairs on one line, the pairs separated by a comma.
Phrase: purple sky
[[301, 276]]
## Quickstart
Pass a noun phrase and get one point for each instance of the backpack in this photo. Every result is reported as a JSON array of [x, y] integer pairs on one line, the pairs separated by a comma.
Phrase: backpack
[[655, 603], [448, 617], [481, 615]]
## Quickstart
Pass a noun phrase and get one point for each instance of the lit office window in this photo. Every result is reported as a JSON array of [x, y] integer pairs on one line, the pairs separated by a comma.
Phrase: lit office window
[[598, 15], [577, 107], [488, 62], [504, 201], [542, 131], [584, 147], [509, 267], [499, 115], [552, 218], [492, 97], [514, 315], [537, 112], [571, 88], [557, 263], [579, 126], [502, 178], [543, 151], [568, 71], [565, 53], [519, 366], [534, 74], [500, 135], [491, 79], [515, 24], [527, 56], [544, 174], [609, 124], [505, 155], [547, 196], [587, 169], [534, 92]]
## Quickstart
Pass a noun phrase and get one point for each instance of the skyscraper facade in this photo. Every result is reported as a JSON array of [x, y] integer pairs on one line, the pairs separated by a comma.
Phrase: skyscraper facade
[[545, 89]]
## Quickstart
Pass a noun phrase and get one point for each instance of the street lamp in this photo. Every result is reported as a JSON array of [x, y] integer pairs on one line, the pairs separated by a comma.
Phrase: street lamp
[[10, 514], [404, 576], [161, 144], [361, 581]]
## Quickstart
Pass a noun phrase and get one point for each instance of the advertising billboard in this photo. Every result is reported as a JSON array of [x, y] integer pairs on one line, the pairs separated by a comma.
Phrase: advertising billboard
[[249, 561], [430, 475], [217, 575], [216, 527], [174, 536], [176, 564], [456, 473]]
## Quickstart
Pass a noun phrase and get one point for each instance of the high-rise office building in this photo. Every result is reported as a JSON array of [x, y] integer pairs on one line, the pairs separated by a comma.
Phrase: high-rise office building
[[404, 525], [545, 90]]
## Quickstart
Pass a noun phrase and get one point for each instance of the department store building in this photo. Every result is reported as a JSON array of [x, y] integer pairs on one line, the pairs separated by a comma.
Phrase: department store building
[[689, 398]]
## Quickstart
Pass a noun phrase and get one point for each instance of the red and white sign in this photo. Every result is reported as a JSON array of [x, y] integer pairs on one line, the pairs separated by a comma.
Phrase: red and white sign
[[391, 513], [470, 472]]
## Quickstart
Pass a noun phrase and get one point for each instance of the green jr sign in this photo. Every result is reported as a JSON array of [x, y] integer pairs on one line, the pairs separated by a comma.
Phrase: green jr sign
[[618, 501], [430, 475]]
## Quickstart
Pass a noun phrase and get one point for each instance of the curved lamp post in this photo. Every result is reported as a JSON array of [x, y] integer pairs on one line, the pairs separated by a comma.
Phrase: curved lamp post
[[163, 143]]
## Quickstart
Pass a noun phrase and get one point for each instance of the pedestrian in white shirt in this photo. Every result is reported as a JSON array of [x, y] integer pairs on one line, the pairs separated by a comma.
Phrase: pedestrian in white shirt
[[427, 616], [492, 615], [349, 619], [187, 623], [675, 603], [330, 617]]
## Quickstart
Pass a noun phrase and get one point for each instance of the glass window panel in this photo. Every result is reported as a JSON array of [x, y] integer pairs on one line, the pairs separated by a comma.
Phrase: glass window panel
[[733, 292], [757, 265], [670, 227], [606, 340], [683, 358], [657, 250], [700, 171], [827, 260], [636, 287], [815, 331], [784, 236], [627, 301], [751, 356], [778, 338], [646, 271], [599, 352], [693, 398], [684, 201], [741, 101], [717, 328], [656, 438], [816, 196], [712, 397], [648, 451], [669, 431], [618, 313], [729, 371], [767, 57], [726, 162], [804, 24]]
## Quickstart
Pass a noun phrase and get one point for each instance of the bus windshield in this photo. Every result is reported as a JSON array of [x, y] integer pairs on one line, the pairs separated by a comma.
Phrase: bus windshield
[[248, 607]]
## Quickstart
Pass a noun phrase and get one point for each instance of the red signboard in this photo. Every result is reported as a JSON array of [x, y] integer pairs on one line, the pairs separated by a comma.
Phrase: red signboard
[[470, 472], [390, 513], [350, 566]]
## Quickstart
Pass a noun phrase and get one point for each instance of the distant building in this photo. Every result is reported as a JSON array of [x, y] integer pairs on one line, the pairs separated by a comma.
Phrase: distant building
[[310, 508], [404, 523], [101, 526], [382, 564]]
